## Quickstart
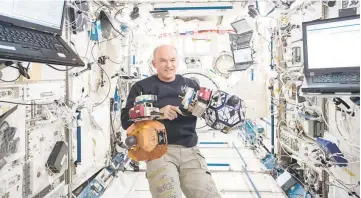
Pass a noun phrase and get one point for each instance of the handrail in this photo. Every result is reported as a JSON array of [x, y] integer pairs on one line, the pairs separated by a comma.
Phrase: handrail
[[244, 168], [218, 164], [234, 146], [213, 142]]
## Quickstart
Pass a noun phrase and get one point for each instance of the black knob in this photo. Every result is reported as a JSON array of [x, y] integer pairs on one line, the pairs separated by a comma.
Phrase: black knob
[[131, 141]]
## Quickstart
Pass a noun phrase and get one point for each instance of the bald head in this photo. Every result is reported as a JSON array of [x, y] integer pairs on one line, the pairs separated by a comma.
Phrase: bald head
[[165, 61], [162, 48]]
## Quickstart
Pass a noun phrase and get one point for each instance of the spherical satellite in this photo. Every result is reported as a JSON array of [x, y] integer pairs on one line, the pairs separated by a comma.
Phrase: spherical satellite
[[146, 140], [225, 112]]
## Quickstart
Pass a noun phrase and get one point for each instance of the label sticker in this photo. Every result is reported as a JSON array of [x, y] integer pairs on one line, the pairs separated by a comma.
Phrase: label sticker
[[7, 47], [61, 55]]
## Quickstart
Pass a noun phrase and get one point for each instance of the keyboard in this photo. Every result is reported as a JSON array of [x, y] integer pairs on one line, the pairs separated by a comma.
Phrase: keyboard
[[337, 78], [31, 39], [240, 41], [244, 38]]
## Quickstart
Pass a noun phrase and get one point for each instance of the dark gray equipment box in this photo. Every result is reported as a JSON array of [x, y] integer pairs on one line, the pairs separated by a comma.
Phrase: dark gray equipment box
[[57, 157]]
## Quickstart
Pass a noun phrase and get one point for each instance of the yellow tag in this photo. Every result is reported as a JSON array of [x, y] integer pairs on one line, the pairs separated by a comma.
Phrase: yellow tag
[[5, 108], [349, 172]]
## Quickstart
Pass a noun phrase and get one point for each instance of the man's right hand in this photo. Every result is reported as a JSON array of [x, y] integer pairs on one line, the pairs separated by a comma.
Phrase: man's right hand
[[170, 112]]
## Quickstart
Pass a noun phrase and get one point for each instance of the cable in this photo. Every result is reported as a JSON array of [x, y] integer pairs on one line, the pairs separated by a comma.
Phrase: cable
[[106, 97], [113, 61], [31, 104], [109, 39], [9, 81], [59, 69], [201, 74], [343, 137]]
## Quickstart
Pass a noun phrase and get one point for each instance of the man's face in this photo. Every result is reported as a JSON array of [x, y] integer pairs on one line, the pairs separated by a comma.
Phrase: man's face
[[166, 63]]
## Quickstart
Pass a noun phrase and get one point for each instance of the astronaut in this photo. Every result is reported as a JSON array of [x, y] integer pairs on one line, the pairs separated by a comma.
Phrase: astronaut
[[183, 168]]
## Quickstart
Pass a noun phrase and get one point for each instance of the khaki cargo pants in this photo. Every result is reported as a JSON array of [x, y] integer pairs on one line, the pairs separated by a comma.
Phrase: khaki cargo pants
[[181, 169]]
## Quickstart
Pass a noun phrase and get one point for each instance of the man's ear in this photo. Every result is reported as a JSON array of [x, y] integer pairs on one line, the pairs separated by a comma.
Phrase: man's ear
[[153, 63]]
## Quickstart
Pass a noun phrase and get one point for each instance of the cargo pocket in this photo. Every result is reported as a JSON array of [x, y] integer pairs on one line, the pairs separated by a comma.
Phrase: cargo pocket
[[200, 158], [157, 166], [154, 167]]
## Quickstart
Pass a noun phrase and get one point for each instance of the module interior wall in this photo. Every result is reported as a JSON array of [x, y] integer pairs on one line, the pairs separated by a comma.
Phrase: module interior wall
[[95, 142], [351, 174], [24, 173]]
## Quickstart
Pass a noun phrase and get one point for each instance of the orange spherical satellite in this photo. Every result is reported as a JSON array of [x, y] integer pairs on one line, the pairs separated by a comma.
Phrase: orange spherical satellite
[[147, 140]]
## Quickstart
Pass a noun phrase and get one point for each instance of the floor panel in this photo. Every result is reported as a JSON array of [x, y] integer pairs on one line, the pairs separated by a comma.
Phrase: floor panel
[[232, 182]]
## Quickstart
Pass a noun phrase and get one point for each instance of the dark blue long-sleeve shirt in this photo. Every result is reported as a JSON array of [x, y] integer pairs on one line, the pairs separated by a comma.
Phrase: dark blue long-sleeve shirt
[[180, 131]]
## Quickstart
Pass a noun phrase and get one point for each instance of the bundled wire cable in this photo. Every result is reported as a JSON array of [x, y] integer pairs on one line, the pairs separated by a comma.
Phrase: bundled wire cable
[[106, 74]]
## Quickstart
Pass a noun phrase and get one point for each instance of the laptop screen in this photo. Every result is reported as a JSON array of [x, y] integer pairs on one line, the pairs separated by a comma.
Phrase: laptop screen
[[334, 44], [241, 26], [242, 55], [47, 13]]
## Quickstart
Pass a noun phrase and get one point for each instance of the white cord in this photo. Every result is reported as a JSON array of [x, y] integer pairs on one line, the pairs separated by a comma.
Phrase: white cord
[[340, 133]]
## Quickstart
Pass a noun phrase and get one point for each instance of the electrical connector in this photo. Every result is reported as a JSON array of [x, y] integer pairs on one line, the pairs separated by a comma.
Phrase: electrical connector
[[101, 60]]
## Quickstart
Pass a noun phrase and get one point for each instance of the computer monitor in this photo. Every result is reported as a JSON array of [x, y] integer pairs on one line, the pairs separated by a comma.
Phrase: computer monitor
[[241, 51], [34, 14], [331, 45], [242, 56], [241, 26]]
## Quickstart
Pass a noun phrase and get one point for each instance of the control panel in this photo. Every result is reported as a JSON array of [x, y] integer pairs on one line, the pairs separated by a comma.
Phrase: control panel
[[289, 140]]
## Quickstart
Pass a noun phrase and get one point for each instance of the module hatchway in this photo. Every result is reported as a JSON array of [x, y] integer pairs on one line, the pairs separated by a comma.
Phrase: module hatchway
[[277, 108]]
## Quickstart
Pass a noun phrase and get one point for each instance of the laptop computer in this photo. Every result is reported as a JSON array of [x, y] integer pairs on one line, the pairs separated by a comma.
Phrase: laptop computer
[[240, 45], [31, 31], [331, 56]]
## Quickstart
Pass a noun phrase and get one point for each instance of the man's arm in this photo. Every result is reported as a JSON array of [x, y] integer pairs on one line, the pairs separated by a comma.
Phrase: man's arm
[[194, 84], [133, 93]]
